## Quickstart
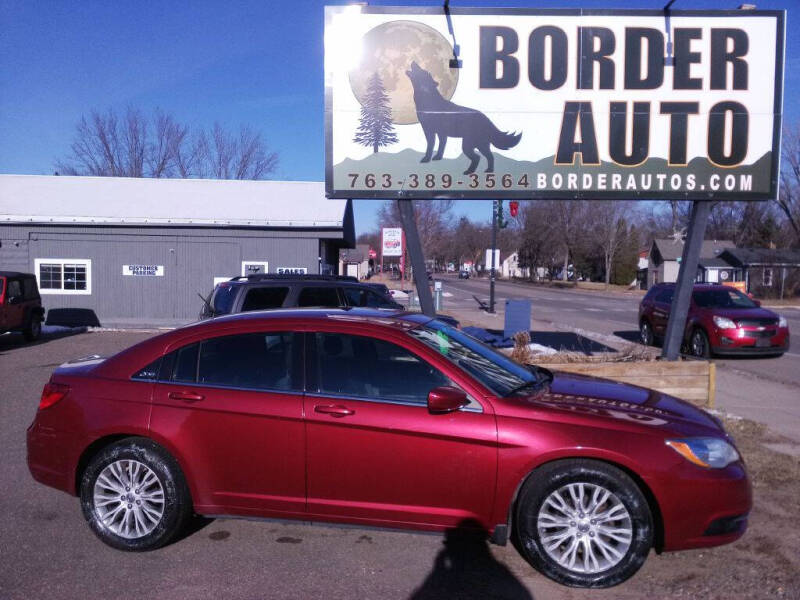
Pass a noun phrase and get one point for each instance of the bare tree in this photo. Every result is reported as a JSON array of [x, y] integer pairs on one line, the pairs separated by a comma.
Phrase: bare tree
[[610, 227], [433, 223], [134, 145], [789, 196]]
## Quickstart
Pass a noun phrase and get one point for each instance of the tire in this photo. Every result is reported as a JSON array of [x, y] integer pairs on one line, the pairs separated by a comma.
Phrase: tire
[[646, 334], [560, 544], [150, 515], [33, 329], [698, 344]]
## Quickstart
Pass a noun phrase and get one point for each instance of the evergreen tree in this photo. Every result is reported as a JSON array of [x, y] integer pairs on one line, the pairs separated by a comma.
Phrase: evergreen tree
[[376, 127]]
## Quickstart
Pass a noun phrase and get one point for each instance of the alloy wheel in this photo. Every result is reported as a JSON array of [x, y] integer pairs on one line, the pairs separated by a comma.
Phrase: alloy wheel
[[585, 528], [129, 498]]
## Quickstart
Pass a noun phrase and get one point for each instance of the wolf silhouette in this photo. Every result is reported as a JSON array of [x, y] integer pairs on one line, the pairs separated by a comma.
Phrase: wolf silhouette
[[440, 117]]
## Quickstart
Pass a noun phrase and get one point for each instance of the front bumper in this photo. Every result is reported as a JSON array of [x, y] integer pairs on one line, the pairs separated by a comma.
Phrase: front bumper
[[745, 341], [705, 507]]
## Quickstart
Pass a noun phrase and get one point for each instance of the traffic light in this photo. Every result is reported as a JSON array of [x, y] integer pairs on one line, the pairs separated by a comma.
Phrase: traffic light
[[501, 223], [513, 208]]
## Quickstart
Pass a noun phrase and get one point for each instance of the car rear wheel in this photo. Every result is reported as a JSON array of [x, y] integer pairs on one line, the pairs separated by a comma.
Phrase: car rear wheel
[[134, 495], [583, 523], [34, 328], [646, 333], [698, 344]]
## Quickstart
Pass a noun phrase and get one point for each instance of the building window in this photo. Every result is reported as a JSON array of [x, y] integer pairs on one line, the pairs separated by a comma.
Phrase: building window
[[64, 275], [767, 279]]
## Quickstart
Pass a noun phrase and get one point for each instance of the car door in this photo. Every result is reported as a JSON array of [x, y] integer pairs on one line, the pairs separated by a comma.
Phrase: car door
[[375, 453], [661, 308], [232, 408]]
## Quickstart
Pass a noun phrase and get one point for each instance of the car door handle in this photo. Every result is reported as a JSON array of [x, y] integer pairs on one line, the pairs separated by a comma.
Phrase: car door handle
[[186, 396], [334, 410]]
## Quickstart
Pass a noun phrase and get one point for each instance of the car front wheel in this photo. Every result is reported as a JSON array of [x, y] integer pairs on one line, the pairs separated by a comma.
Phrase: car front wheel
[[646, 333], [583, 523], [134, 495], [698, 344]]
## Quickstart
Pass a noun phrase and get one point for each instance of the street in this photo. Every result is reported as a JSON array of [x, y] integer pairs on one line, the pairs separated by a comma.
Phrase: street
[[765, 389]]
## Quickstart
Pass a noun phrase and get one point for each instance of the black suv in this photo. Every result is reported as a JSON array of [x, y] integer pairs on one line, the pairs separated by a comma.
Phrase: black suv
[[266, 291], [20, 304]]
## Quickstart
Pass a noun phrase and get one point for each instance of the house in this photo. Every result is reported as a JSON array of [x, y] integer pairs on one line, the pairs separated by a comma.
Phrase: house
[[131, 251], [767, 272], [510, 267], [665, 257], [355, 261]]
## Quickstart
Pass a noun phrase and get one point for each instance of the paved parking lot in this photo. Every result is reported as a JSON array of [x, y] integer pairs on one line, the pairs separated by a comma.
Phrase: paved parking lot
[[49, 552]]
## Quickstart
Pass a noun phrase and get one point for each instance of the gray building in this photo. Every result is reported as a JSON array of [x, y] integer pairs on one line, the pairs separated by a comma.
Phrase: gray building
[[139, 251], [664, 261]]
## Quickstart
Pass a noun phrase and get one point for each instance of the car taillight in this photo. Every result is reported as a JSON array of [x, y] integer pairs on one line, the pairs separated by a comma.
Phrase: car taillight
[[52, 393]]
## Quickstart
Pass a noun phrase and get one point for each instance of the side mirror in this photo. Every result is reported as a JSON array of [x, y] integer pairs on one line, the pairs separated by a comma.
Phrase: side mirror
[[757, 302], [446, 399]]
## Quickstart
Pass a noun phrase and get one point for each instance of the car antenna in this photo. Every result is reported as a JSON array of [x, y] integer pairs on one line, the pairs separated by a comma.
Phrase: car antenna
[[207, 303]]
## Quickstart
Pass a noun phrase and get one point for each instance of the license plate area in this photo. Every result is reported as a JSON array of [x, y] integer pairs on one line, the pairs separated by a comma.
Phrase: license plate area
[[763, 343]]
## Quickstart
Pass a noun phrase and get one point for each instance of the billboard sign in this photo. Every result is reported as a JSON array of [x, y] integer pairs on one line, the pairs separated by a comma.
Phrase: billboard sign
[[634, 104], [392, 241]]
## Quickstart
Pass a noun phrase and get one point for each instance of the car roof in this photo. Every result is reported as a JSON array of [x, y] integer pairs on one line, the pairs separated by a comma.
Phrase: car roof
[[697, 286], [398, 319], [15, 274]]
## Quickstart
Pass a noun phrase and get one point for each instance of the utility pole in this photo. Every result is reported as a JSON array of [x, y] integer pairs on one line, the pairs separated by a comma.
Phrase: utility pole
[[491, 259]]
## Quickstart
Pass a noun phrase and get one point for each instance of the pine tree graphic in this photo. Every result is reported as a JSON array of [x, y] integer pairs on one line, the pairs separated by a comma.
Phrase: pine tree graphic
[[375, 128]]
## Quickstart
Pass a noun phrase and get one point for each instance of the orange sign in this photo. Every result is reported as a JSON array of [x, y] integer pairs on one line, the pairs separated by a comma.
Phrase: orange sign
[[739, 285]]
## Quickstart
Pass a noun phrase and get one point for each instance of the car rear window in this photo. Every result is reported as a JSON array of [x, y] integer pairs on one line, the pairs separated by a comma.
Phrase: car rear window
[[30, 289], [319, 296], [223, 299], [262, 298]]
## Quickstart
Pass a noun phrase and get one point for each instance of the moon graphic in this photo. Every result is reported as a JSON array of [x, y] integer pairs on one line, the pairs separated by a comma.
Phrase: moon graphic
[[389, 49]]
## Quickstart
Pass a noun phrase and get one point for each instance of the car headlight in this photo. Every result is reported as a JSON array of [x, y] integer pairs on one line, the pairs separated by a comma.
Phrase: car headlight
[[709, 452], [782, 322], [724, 323]]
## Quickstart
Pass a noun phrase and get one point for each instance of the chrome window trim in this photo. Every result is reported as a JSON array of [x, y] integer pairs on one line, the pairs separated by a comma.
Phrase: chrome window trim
[[469, 408]]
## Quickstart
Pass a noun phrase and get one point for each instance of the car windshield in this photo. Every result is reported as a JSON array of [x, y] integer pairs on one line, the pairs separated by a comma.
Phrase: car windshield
[[224, 295], [722, 298], [497, 372]]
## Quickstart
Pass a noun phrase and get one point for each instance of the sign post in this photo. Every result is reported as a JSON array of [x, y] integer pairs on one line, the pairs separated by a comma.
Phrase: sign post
[[417, 257]]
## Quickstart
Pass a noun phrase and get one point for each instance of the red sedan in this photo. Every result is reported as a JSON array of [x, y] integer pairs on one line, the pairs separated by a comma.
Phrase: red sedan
[[400, 421], [721, 320]]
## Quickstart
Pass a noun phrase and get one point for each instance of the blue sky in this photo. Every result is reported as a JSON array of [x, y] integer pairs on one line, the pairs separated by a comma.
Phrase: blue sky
[[256, 63]]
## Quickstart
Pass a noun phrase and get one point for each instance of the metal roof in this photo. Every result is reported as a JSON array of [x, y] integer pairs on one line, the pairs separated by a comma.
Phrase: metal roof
[[757, 257], [139, 201]]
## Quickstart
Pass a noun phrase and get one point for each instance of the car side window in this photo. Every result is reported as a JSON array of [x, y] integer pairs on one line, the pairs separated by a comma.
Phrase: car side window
[[354, 296], [665, 296], [253, 361], [319, 296], [374, 369], [14, 289], [261, 298], [29, 287], [184, 367]]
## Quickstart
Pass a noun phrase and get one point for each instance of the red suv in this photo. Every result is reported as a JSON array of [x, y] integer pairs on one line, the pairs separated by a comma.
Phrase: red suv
[[722, 320], [356, 416], [20, 304]]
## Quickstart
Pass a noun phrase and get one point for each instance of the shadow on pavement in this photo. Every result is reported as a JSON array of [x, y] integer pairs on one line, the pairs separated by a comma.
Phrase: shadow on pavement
[[565, 341], [9, 341], [630, 336], [465, 568]]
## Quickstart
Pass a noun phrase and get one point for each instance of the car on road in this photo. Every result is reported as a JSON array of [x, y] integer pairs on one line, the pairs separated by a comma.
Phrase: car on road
[[390, 420], [721, 320], [463, 274], [269, 291], [20, 304]]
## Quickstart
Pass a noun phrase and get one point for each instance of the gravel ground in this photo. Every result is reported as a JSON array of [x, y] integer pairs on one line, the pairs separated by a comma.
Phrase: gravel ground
[[48, 551]]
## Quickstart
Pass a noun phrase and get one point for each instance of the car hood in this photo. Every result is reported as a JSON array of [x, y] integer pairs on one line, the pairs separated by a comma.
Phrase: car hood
[[592, 396], [743, 313]]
